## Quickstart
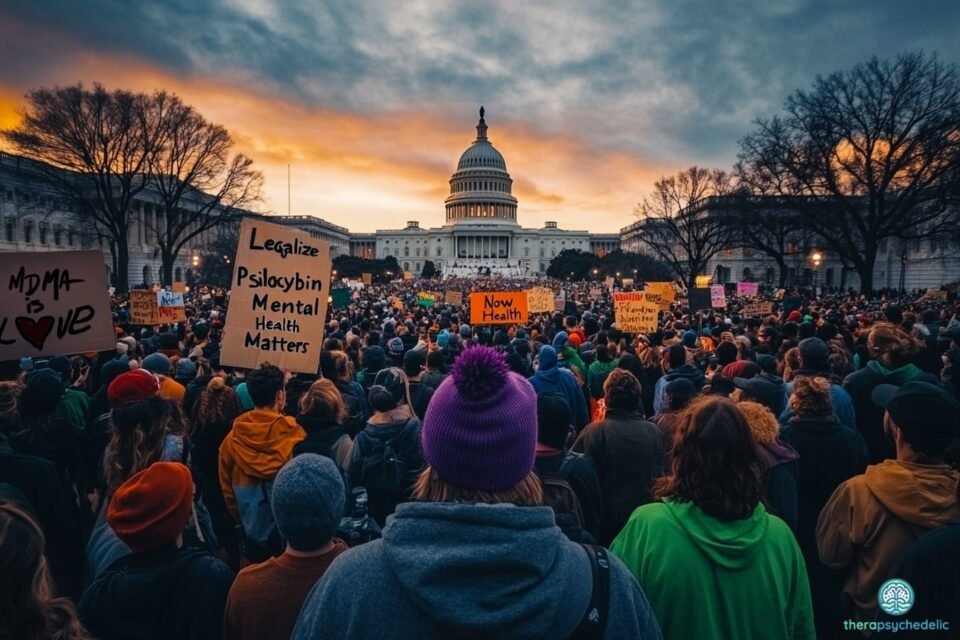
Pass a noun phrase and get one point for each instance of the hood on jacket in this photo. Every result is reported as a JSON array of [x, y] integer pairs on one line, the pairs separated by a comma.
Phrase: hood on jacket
[[689, 372], [899, 376], [777, 453], [488, 570], [920, 494], [263, 441], [548, 358], [729, 544]]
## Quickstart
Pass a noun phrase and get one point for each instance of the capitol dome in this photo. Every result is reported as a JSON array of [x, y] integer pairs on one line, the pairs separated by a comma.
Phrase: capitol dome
[[480, 188]]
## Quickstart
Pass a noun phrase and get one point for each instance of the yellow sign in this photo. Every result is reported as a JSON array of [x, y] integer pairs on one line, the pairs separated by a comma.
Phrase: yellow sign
[[703, 281], [366, 278], [636, 316], [407, 275], [757, 309], [664, 289], [179, 287], [540, 300]]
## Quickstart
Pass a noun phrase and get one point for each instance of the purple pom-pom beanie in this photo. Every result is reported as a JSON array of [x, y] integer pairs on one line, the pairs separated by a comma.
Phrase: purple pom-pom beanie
[[480, 429]]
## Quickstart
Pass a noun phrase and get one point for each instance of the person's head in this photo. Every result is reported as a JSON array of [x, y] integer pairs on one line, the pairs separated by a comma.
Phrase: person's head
[[185, 371], [679, 393], [814, 355], [389, 391], [323, 402], [39, 397], [29, 608], [554, 420], [676, 356], [150, 509], [726, 353], [923, 419], [891, 346], [811, 397], [413, 362], [479, 435], [621, 390], [157, 363], [265, 384], [715, 462], [759, 390], [340, 363], [763, 424], [374, 359], [217, 407], [435, 360], [307, 501]]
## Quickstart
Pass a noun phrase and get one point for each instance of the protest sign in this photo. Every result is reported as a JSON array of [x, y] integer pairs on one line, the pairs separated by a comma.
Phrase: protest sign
[[179, 287], [935, 294], [748, 288], [636, 316], [609, 282], [170, 307], [396, 303], [454, 298], [143, 307], [665, 290], [620, 296], [54, 303], [340, 297], [699, 299], [407, 275], [703, 282], [718, 296], [366, 278], [595, 293], [278, 302], [627, 282], [757, 310], [426, 299], [498, 307], [778, 294], [559, 303], [540, 300]]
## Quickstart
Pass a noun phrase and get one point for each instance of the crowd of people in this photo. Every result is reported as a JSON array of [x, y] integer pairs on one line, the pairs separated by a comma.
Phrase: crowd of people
[[722, 477]]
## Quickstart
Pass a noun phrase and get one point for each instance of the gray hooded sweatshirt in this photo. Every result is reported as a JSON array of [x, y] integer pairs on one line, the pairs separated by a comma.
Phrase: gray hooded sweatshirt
[[468, 571]]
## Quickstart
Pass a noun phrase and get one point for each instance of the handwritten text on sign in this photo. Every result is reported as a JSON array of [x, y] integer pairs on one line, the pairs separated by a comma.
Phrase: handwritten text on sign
[[278, 302], [498, 307], [53, 303], [143, 307], [540, 300], [718, 296], [170, 307], [636, 316], [757, 310], [747, 288]]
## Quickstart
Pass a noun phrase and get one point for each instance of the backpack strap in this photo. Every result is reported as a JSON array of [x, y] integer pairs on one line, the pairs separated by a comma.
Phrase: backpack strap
[[594, 622]]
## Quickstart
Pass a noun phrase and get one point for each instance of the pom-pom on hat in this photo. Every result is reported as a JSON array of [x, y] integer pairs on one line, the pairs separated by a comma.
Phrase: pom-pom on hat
[[480, 429]]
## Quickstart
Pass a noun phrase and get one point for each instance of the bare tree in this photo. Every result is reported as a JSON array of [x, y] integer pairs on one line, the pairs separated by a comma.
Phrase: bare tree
[[873, 151], [198, 184], [94, 148], [679, 228]]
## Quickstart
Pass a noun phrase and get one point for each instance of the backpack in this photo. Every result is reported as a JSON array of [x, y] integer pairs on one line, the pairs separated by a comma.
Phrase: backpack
[[560, 496], [259, 537], [594, 621], [382, 471]]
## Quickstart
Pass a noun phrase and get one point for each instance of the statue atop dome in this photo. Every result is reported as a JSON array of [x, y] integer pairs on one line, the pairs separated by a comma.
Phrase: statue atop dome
[[481, 126]]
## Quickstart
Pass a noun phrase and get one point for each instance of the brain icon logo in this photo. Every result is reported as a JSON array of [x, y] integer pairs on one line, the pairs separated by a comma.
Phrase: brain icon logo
[[895, 597]]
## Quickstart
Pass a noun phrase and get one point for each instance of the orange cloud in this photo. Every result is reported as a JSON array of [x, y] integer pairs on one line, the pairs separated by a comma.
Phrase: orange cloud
[[369, 171]]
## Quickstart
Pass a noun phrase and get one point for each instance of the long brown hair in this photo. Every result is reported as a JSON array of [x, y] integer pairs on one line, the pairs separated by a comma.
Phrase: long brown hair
[[218, 405], [138, 432], [715, 462], [29, 609], [891, 346], [431, 487], [323, 400]]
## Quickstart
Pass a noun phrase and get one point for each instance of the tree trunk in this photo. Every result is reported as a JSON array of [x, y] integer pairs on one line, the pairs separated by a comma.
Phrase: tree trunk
[[122, 276], [166, 267], [784, 270]]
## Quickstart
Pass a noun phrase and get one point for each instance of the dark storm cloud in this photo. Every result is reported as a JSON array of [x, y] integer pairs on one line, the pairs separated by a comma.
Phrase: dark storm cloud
[[675, 81]]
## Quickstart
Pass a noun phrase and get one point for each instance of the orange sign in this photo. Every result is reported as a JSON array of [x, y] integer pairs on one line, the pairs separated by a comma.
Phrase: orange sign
[[498, 307]]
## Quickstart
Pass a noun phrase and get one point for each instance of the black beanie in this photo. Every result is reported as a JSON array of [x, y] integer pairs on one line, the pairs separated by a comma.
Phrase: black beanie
[[554, 420]]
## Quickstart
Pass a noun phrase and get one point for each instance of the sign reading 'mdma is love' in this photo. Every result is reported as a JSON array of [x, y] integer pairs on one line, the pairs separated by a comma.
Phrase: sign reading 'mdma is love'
[[278, 301], [54, 303]]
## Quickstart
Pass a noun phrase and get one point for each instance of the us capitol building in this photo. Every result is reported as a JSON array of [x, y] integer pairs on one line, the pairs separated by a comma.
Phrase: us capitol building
[[481, 230]]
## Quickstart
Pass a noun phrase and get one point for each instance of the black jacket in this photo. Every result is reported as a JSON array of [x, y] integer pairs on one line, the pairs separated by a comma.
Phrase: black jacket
[[580, 472], [420, 395], [170, 593], [403, 436]]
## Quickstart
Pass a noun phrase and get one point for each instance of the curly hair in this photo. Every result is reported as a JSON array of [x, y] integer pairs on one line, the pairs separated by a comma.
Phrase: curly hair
[[715, 461], [29, 608], [811, 397], [892, 346], [137, 436], [763, 424], [218, 405], [621, 390]]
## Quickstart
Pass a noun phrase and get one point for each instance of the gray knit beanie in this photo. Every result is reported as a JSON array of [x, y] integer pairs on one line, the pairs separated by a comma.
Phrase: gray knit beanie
[[307, 500]]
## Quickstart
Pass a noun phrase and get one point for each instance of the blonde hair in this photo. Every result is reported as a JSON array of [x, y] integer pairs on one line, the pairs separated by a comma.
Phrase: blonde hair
[[763, 424], [811, 397], [430, 487], [323, 400]]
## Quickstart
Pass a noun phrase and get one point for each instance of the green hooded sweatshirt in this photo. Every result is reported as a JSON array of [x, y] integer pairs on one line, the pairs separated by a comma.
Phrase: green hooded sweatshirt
[[709, 578]]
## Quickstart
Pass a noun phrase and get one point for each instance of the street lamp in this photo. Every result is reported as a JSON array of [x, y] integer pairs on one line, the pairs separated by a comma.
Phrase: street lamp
[[816, 259], [196, 260], [618, 274]]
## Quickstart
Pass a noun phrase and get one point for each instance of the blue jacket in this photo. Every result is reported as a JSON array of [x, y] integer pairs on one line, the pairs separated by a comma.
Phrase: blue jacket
[[445, 570], [551, 379]]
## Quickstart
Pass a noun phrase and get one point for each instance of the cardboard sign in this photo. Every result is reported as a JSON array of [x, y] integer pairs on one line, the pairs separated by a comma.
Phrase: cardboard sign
[[454, 298], [718, 296], [699, 299], [778, 294], [703, 282], [559, 304], [595, 293], [636, 316], [935, 294], [170, 307], [498, 307], [748, 288], [757, 310], [179, 287], [629, 295], [366, 278], [609, 282], [143, 307], [426, 299], [665, 290], [278, 302], [407, 275], [54, 303], [340, 297], [396, 303], [627, 282], [540, 300]]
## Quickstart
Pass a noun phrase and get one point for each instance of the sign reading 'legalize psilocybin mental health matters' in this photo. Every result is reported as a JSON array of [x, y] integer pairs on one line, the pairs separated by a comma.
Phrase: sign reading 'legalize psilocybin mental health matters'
[[278, 300], [54, 302]]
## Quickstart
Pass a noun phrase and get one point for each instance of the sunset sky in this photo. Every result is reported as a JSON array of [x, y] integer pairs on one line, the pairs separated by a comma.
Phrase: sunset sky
[[372, 102]]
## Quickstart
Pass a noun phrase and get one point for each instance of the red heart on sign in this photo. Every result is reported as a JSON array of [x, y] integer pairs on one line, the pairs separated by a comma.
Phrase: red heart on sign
[[35, 332]]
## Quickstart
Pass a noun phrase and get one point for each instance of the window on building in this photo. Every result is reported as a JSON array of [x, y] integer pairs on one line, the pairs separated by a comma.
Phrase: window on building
[[43, 233], [406, 252], [406, 266], [10, 229], [27, 231], [58, 236], [178, 274], [147, 277], [439, 251]]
